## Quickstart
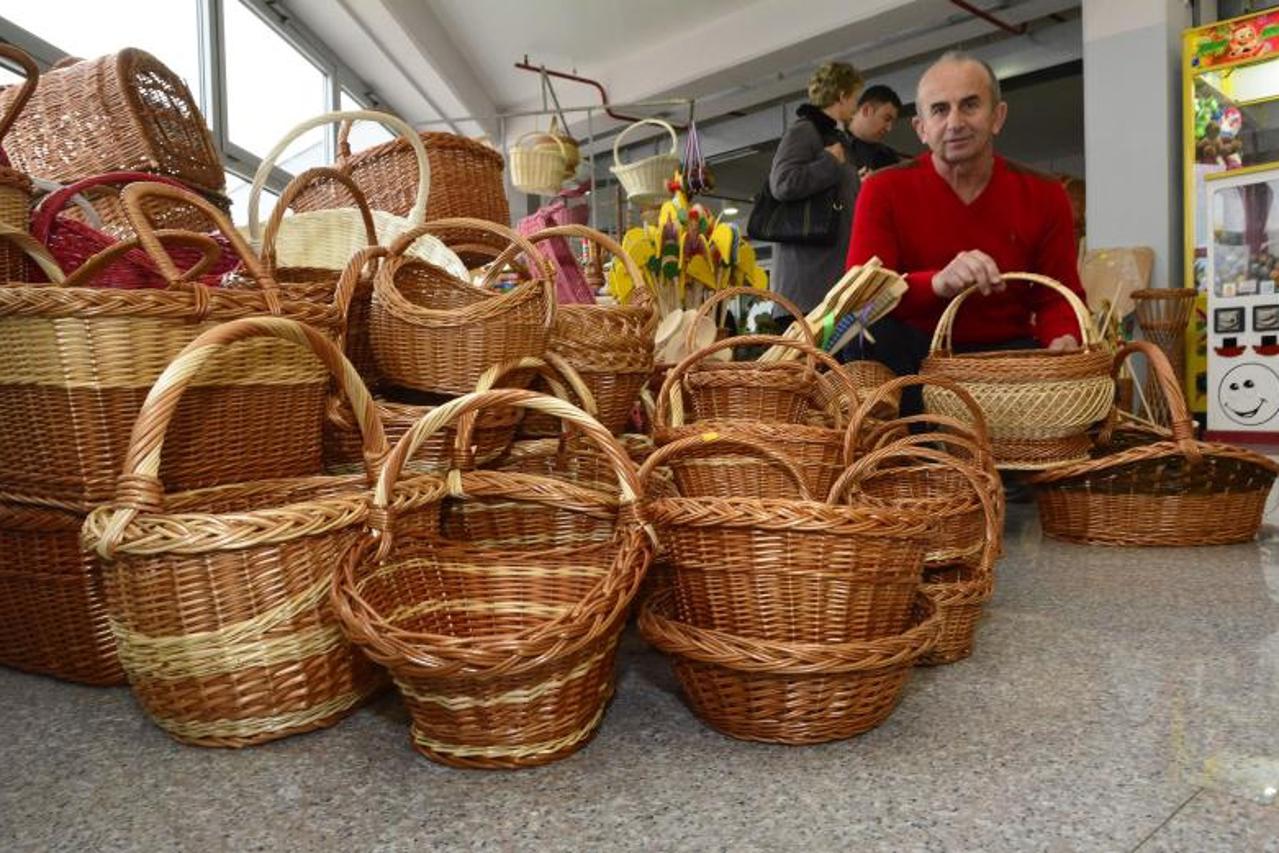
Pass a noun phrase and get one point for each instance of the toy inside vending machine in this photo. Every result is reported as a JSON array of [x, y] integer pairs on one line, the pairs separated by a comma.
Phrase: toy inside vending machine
[[1232, 224]]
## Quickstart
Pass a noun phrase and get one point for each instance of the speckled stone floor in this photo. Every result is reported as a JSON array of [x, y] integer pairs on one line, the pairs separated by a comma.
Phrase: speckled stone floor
[[1119, 700]]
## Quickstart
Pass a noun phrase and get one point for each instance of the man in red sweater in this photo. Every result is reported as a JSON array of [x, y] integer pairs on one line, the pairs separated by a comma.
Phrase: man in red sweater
[[957, 217]]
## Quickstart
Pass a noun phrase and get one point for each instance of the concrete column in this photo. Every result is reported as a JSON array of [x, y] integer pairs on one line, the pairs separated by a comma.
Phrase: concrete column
[[1132, 127]]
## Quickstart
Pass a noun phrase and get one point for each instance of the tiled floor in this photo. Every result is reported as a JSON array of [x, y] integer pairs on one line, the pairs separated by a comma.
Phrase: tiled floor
[[1118, 701]]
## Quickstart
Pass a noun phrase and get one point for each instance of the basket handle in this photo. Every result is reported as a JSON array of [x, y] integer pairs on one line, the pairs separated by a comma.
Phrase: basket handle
[[1179, 419], [35, 250], [290, 194], [872, 461], [753, 447], [140, 489], [474, 403], [384, 283], [418, 211], [558, 141], [942, 337], [56, 201], [617, 143], [690, 340], [670, 402], [853, 436], [208, 248], [134, 198], [28, 88], [344, 292]]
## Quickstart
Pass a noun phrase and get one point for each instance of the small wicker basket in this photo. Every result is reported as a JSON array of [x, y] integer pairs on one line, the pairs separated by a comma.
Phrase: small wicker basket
[[645, 180], [538, 168]]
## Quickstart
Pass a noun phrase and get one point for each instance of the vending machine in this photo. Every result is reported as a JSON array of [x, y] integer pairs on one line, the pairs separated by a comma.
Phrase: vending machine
[[1231, 156]]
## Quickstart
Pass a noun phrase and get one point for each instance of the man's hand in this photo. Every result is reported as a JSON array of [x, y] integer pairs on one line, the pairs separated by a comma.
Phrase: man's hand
[[969, 269], [836, 150], [1064, 343]]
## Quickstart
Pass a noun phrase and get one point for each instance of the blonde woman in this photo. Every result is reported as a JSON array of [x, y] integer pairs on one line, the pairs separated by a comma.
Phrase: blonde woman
[[814, 155]]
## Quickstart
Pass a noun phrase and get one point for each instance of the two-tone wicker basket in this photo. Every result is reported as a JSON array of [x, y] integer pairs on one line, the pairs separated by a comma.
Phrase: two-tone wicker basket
[[219, 596], [1039, 404], [1146, 486]]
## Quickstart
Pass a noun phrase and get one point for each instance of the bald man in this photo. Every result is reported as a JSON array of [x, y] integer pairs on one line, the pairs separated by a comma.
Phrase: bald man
[[958, 217]]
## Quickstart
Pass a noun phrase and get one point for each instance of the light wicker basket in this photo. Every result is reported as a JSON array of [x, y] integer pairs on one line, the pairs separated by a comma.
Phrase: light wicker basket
[[536, 167], [503, 653], [645, 180], [219, 596], [1039, 404]]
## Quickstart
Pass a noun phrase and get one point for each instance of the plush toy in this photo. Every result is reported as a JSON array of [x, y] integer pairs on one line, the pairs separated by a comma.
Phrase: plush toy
[[1230, 148], [1208, 146]]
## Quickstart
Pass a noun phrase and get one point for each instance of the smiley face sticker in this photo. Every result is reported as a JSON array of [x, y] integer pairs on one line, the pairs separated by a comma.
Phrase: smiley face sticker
[[1249, 394]]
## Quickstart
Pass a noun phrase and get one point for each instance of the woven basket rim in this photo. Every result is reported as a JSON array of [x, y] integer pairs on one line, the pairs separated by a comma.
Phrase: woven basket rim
[[813, 516]]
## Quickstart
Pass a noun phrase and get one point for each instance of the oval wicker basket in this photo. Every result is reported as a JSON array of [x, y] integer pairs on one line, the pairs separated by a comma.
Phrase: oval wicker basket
[[1039, 404], [1146, 486], [793, 693], [787, 569], [219, 597], [432, 331], [645, 180], [536, 167], [502, 653]]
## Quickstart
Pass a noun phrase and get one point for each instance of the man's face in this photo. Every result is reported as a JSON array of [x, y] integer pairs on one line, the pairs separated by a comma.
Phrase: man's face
[[877, 121], [957, 118]]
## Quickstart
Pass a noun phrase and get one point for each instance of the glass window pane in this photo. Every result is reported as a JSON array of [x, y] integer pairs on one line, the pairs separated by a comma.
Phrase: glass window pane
[[170, 31], [364, 134], [237, 189], [271, 88]]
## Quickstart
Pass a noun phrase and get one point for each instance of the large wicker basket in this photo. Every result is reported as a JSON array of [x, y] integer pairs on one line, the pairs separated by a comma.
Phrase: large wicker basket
[[793, 693], [645, 179], [786, 569], [434, 332], [1149, 486], [76, 363], [125, 112], [466, 178], [503, 654], [219, 597], [1039, 404], [53, 613]]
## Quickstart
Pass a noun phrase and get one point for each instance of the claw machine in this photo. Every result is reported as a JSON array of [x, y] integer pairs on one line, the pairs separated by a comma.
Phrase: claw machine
[[1231, 157]]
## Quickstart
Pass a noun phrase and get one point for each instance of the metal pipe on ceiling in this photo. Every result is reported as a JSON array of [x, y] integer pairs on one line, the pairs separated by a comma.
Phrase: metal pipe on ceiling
[[597, 85], [977, 11]]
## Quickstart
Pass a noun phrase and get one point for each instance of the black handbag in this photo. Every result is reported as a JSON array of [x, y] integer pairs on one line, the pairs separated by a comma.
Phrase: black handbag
[[812, 221]]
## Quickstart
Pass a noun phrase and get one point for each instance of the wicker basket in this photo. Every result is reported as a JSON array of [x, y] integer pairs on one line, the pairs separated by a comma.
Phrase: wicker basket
[[774, 392], [538, 168], [466, 177], [1147, 486], [434, 332], [53, 613], [503, 654], [73, 241], [327, 238], [792, 693], [959, 565], [97, 204], [16, 189], [645, 180], [610, 347], [125, 112], [866, 377], [219, 597], [1163, 315], [787, 569], [816, 450], [1039, 404], [76, 363]]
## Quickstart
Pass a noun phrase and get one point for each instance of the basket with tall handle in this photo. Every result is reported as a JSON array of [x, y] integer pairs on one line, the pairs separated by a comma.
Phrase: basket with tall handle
[[645, 179]]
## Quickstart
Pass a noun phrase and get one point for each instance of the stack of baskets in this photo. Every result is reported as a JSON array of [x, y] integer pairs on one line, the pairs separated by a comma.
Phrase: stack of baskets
[[502, 645]]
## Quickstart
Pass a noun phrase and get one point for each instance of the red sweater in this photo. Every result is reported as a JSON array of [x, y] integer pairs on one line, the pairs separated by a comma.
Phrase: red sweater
[[910, 218]]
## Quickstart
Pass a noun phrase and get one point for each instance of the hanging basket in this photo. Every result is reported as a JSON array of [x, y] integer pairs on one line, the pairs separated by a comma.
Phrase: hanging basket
[[503, 654], [538, 163], [219, 597], [1146, 486], [781, 692], [1039, 404], [645, 180]]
